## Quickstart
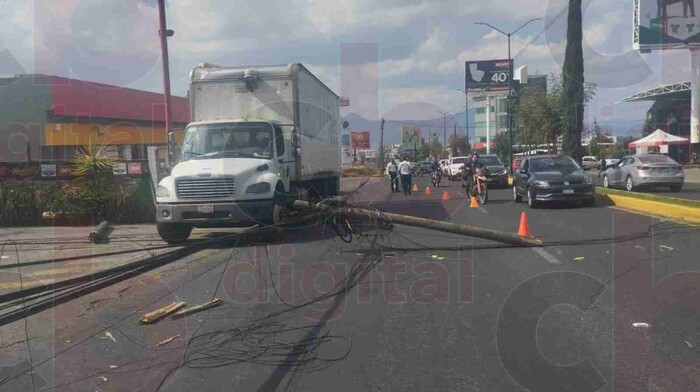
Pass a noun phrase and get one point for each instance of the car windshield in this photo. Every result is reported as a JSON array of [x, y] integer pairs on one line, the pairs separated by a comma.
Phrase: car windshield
[[458, 160], [656, 159], [491, 161], [554, 164], [249, 140]]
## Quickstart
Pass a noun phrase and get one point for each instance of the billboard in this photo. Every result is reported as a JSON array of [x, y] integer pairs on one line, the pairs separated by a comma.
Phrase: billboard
[[360, 140], [665, 24], [410, 135], [489, 75]]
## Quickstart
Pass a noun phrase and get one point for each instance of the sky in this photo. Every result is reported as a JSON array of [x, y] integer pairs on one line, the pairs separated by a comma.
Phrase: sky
[[400, 59]]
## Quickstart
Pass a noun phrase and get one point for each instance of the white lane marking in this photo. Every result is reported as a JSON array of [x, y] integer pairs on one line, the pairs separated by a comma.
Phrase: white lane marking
[[482, 209], [546, 255]]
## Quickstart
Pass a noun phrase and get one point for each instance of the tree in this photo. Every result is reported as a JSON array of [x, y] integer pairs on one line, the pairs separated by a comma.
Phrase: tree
[[459, 145], [538, 115], [573, 81], [501, 143]]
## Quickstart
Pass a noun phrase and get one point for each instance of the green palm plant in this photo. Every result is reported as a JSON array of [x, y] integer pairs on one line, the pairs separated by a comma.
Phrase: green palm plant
[[92, 159], [92, 166]]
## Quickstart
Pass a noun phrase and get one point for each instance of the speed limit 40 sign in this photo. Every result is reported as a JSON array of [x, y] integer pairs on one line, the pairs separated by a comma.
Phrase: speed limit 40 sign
[[489, 75]]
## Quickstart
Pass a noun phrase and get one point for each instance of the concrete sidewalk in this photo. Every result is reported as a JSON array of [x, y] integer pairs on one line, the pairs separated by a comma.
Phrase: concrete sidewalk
[[692, 175]]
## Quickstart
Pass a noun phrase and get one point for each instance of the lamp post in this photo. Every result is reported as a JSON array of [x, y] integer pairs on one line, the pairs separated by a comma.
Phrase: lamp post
[[510, 86], [164, 33], [444, 132], [466, 113]]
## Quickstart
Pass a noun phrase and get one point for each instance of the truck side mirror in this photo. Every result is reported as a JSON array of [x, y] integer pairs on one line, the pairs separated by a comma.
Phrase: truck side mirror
[[171, 147]]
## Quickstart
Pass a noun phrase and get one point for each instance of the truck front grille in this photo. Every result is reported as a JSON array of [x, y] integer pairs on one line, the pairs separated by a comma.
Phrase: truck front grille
[[205, 188]]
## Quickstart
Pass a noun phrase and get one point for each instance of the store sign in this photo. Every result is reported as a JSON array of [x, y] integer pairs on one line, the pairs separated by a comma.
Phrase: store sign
[[360, 140], [490, 75], [119, 169], [410, 135], [665, 24], [134, 168]]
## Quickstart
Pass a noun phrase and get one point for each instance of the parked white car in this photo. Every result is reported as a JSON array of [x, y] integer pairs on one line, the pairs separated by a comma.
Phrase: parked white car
[[454, 168], [589, 162]]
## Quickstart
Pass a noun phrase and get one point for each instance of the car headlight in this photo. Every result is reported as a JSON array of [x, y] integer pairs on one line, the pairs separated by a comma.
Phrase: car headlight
[[261, 187], [542, 184], [501, 172], [162, 191]]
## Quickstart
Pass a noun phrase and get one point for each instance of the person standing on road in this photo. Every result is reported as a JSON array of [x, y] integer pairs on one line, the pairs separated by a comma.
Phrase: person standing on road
[[392, 172], [405, 172]]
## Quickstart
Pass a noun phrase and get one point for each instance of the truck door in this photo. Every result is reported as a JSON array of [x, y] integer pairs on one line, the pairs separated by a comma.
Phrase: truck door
[[284, 157]]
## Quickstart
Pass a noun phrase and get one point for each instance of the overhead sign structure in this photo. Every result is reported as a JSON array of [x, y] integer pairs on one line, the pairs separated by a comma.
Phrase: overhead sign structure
[[672, 24], [410, 135], [360, 140], [665, 24], [485, 76]]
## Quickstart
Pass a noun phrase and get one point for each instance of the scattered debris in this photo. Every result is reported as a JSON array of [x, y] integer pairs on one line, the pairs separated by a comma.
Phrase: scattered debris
[[158, 314], [639, 247], [103, 378], [108, 335], [690, 345], [208, 305], [435, 256], [641, 325], [4, 257], [113, 366], [579, 258], [168, 340], [441, 258], [664, 247], [101, 233]]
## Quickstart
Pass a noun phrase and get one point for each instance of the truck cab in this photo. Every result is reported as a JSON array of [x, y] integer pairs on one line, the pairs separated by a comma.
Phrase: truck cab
[[260, 138]]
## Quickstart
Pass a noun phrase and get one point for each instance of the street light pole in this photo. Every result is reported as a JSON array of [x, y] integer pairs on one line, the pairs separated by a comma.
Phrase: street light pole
[[164, 34], [510, 87], [444, 133]]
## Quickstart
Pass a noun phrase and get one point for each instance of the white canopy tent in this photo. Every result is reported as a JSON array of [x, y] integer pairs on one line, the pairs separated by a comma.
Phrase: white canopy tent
[[658, 138]]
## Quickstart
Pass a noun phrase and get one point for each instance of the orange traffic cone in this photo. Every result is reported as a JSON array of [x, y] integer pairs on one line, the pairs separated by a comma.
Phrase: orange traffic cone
[[415, 187], [428, 191], [474, 203], [445, 195], [524, 229]]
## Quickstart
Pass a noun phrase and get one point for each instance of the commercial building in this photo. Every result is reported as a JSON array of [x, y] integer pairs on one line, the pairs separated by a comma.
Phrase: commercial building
[[670, 112], [48, 118], [498, 118]]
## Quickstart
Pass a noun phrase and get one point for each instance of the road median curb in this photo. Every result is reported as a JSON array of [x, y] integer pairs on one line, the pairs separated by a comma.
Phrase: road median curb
[[672, 208]]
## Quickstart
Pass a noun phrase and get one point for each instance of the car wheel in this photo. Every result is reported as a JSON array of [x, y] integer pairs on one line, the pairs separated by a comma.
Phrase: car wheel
[[606, 181], [629, 184], [676, 188], [531, 202], [516, 197]]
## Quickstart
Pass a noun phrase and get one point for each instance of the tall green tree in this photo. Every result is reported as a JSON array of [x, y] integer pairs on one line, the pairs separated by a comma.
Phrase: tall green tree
[[573, 81], [458, 145]]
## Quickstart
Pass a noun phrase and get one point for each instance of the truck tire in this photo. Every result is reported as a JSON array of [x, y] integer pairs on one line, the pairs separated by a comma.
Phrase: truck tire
[[174, 233], [278, 212]]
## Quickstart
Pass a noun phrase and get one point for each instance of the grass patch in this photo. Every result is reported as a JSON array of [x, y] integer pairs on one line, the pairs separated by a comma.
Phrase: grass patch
[[651, 197]]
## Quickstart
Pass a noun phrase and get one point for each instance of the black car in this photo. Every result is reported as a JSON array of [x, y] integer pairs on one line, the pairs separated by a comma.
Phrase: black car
[[498, 174], [552, 178]]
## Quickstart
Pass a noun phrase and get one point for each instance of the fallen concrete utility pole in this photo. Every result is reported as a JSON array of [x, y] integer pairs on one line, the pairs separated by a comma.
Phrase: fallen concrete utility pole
[[471, 231]]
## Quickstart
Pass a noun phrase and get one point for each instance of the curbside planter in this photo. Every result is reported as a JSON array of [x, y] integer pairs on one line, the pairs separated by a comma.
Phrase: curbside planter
[[672, 208]]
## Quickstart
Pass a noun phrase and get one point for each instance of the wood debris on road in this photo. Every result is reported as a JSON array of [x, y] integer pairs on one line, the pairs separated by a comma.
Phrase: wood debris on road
[[152, 317], [208, 305]]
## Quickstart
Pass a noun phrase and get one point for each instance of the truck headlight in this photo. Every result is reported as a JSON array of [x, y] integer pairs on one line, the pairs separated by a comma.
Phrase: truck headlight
[[542, 184], [261, 187], [162, 191]]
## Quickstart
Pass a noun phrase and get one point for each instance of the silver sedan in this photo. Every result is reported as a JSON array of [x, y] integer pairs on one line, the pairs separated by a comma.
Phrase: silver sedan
[[645, 171]]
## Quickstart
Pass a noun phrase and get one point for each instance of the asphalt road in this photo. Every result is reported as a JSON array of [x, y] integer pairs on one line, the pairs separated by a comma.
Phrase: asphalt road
[[409, 310]]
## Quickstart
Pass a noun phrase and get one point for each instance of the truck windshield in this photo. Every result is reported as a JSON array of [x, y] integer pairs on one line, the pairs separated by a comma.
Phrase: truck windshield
[[248, 140]]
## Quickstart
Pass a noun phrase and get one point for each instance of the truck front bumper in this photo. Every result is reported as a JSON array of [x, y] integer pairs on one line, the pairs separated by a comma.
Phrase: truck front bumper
[[214, 213]]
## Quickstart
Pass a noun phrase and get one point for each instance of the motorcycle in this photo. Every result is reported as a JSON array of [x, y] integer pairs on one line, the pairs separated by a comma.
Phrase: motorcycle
[[695, 159], [436, 177], [478, 188]]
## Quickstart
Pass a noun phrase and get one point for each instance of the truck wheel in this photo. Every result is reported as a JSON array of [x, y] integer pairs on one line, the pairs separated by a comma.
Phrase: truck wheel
[[278, 211], [174, 233]]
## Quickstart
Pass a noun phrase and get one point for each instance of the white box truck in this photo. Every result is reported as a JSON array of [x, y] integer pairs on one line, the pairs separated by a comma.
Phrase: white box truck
[[260, 138]]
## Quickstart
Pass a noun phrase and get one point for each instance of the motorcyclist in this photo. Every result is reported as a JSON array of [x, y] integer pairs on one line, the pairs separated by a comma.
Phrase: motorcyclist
[[469, 168], [437, 170]]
